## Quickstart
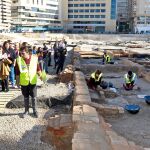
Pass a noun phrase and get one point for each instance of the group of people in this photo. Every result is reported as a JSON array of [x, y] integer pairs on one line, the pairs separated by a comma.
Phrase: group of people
[[96, 80], [20, 64]]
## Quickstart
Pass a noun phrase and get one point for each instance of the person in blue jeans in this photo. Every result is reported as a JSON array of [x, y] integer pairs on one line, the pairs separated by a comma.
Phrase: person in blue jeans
[[8, 49]]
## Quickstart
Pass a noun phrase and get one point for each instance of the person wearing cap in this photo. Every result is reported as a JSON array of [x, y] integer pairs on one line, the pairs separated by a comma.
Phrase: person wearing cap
[[130, 79], [28, 69], [106, 58], [95, 79]]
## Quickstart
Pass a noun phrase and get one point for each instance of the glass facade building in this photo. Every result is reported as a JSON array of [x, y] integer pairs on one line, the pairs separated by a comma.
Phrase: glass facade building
[[36, 15]]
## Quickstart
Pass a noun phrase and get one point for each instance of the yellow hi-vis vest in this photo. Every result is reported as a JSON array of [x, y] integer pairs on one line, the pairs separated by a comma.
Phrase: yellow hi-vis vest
[[28, 74], [127, 80], [107, 58], [93, 76]]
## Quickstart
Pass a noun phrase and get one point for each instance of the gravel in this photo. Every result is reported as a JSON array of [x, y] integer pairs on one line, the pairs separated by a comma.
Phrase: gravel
[[17, 133]]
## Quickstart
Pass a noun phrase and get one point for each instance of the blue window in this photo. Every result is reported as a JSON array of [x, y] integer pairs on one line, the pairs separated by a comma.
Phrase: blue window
[[86, 10], [103, 10], [76, 10], [87, 5], [97, 16], [81, 5], [92, 10], [75, 5], [86, 16], [97, 10], [75, 16], [113, 9], [70, 11], [97, 5], [81, 10], [81, 16], [91, 16], [92, 5], [103, 4], [102, 16], [70, 16], [70, 5]]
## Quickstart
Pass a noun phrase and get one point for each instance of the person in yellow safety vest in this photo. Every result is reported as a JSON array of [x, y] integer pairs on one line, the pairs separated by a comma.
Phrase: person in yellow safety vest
[[27, 68], [95, 79], [106, 58], [130, 79]]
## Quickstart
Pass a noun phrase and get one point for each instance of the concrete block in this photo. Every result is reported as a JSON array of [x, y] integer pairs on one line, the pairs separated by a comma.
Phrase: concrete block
[[81, 90], [81, 99], [85, 144], [80, 82], [85, 113], [108, 110]]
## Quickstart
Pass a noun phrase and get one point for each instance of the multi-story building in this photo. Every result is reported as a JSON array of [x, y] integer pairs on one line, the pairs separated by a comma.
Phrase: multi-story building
[[140, 16], [36, 15], [5, 14], [122, 15], [89, 15]]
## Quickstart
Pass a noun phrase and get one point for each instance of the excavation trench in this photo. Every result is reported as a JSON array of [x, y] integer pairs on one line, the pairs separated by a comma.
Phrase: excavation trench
[[133, 127]]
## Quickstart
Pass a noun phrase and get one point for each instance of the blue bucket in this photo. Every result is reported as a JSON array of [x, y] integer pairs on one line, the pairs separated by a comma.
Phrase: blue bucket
[[147, 99], [132, 108]]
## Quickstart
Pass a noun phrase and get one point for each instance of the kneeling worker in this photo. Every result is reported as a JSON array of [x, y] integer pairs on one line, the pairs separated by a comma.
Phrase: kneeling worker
[[130, 79], [95, 79], [106, 58]]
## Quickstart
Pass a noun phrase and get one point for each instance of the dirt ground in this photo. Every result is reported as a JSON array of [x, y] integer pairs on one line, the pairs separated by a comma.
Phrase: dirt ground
[[133, 127]]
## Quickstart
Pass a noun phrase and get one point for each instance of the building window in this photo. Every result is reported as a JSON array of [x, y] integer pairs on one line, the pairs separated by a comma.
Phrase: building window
[[76, 10], [103, 4], [86, 16], [92, 10], [81, 10], [113, 9], [70, 11], [70, 16], [86, 10], [97, 5], [81, 16], [97, 10], [70, 5], [75, 16], [87, 5], [92, 5], [81, 5], [97, 16], [76, 5], [103, 10], [91, 16]]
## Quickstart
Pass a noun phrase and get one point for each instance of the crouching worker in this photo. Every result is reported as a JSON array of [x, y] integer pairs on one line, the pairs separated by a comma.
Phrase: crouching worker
[[130, 79], [28, 69], [107, 59], [95, 79]]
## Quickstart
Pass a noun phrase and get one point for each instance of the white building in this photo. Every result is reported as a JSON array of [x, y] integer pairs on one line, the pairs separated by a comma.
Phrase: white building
[[36, 15], [140, 16], [5, 14]]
